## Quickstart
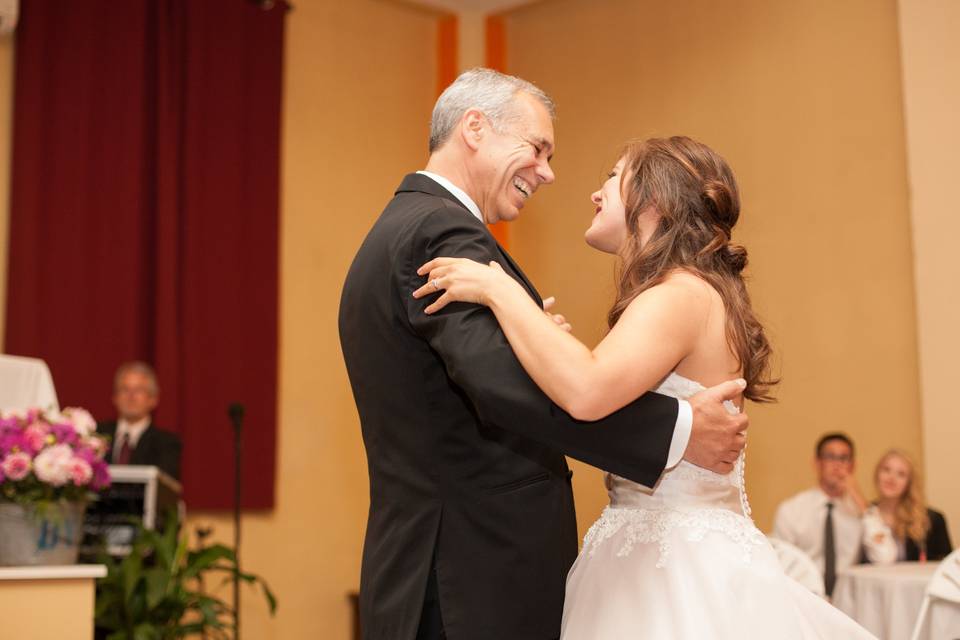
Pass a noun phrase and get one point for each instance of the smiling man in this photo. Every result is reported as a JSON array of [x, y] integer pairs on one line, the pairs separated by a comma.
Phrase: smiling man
[[471, 529]]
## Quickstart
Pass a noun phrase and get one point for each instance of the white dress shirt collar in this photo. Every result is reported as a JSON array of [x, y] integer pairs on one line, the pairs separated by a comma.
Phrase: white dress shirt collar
[[457, 192], [132, 430]]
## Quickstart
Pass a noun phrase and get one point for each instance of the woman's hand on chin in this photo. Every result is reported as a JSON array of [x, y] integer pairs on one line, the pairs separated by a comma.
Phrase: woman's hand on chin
[[460, 279]]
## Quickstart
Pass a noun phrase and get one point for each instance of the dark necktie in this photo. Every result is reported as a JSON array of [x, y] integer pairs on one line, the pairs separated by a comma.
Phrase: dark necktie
[[829, 552], [124, 456]]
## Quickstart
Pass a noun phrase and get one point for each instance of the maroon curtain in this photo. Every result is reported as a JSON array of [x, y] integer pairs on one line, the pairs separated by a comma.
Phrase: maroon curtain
[[144, 216]]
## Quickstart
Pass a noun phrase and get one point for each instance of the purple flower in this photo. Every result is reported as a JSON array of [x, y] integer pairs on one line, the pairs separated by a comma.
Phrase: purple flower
[[12, 441], [101, 476], [65, 433]]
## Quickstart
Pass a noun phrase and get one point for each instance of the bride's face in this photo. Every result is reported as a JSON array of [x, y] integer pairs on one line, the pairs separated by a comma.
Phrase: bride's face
[[609, 228]]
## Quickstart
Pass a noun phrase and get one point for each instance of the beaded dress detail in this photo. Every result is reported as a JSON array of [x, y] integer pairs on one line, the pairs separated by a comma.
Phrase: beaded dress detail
[[685, 560]]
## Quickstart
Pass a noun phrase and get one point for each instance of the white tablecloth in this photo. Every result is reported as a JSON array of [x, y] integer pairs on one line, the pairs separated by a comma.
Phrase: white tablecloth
[[25, 383], [887, 600]]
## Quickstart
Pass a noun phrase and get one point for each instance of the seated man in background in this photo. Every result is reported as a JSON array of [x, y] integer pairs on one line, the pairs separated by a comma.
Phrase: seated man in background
[[825, 521], [134, 437]]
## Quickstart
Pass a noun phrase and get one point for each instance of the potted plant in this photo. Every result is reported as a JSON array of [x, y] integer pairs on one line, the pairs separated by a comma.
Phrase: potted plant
[[51, 465], [158, 591]]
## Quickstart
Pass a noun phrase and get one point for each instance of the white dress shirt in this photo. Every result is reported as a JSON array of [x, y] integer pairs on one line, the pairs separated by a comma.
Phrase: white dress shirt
[[879, 544], [800, 521], [681, 431], [132, 430]]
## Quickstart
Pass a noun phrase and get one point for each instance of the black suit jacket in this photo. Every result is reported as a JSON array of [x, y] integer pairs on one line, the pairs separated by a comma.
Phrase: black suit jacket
[[465, 453], [938, 540], [156, 446]]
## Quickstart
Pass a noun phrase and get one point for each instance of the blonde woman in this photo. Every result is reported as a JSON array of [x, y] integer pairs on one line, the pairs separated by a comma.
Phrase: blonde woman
[[899, 526]]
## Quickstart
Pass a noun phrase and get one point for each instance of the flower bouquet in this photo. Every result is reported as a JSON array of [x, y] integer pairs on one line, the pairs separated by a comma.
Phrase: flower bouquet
[[51, 465]]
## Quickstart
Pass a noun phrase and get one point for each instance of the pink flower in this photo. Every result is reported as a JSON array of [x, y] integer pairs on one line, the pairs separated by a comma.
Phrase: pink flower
[[36, 436], [52, 465], [97, 444], [81, 419], [16, 466], [80, 471]]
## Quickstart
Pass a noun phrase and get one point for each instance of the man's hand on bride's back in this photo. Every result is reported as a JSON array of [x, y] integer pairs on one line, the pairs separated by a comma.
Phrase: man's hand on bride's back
[[717, 437]]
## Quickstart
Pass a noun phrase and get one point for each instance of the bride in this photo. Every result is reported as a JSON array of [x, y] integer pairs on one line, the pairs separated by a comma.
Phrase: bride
[[683, 559]]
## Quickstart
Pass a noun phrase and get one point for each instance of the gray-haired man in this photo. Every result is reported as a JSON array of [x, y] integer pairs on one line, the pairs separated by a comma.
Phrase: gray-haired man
[[471, 529]]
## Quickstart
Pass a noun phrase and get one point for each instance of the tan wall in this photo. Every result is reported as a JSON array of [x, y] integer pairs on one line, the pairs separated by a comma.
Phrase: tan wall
[[6, 135], [804, 101], [930, 52]]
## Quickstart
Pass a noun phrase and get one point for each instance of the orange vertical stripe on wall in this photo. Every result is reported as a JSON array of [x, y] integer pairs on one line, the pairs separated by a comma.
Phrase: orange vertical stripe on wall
[[496, 39], [496, 58], [446, 51]]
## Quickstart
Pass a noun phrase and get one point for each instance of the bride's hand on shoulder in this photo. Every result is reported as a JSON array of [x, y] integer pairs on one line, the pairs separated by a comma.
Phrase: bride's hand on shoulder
[[461, 280], [558, 319]]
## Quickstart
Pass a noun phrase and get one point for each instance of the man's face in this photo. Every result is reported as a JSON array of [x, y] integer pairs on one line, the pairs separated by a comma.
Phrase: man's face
[[834, 464], [512, 164], [134, 396]]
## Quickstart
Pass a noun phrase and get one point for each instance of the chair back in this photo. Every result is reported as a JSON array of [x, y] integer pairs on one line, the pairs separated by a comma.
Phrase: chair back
[[944, 585], [799, 566]]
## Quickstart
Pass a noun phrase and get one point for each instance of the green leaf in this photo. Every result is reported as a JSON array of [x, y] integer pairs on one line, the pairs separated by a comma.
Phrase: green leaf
[[156, 580], [199, 561], [130, 572], [146, 631]]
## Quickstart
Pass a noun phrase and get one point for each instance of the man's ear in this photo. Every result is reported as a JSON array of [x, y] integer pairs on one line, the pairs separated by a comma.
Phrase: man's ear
[[473, 127]]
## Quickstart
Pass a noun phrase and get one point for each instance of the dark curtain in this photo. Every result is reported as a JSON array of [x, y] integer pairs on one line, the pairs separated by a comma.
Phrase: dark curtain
[[144, 216]]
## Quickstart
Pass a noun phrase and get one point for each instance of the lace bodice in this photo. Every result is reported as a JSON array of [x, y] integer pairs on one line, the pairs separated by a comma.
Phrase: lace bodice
[[686, 496]]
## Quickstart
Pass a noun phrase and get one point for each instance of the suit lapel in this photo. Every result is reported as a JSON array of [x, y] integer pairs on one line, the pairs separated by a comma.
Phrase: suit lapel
[[425, 184], [532, 290], [143, 445]]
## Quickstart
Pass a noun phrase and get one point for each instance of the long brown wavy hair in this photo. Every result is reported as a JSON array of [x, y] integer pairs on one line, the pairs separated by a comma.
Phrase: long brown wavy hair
[[696, 195], [910, 518]]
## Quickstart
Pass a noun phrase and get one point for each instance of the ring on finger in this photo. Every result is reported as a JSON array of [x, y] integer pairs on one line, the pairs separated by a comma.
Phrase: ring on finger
[[436, 284]]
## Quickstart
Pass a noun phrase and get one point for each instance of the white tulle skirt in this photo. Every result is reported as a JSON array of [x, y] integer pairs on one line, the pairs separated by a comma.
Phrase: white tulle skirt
[[703, 573]]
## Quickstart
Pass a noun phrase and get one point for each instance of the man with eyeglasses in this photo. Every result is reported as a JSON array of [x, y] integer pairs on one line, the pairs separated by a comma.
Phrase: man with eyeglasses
[[824, 522], [134, 439]]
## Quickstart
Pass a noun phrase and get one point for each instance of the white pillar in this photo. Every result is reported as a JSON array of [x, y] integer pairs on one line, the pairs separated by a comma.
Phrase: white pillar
[[471, 40], [930, 59]]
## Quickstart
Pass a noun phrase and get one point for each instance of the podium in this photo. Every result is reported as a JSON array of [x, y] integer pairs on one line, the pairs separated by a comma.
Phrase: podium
[[137, 493]]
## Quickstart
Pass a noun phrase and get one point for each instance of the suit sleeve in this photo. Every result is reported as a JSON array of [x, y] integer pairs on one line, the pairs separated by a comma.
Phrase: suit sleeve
[[170, 452], [632, 442], [939, 545]]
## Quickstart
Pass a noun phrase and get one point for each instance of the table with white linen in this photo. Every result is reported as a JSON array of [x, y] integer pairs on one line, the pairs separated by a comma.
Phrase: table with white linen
[[886, 600]]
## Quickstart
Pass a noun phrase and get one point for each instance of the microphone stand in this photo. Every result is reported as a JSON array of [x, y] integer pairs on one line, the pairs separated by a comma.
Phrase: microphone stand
[[236, 411]]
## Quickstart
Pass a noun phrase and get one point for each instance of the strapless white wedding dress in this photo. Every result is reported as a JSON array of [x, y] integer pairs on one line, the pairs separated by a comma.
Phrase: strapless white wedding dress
[[684, 560]]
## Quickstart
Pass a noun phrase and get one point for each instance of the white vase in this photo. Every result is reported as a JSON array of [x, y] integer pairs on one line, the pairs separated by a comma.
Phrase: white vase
[[29, 538]]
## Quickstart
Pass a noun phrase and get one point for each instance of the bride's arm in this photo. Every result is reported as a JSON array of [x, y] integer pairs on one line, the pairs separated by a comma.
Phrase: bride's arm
[[657, 330]]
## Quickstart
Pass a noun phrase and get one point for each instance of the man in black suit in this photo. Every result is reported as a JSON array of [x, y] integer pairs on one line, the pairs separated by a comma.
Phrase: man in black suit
[[134, 439], [471, 529]]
